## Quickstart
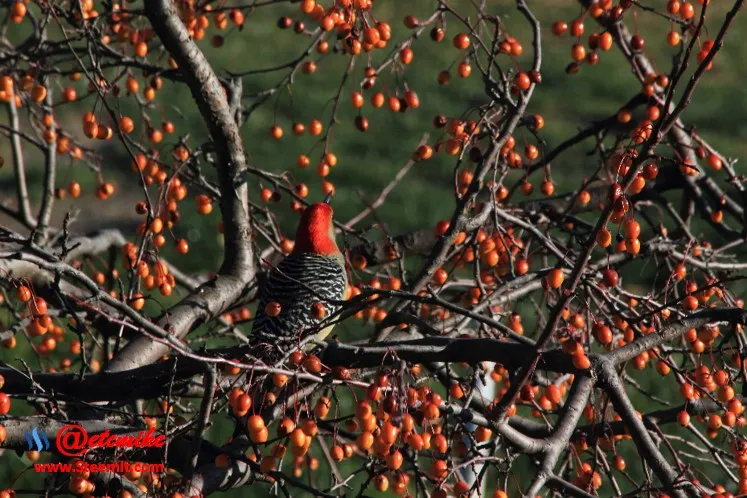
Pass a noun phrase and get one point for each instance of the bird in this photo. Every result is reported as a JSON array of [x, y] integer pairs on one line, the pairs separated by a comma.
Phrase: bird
[[303, 290]]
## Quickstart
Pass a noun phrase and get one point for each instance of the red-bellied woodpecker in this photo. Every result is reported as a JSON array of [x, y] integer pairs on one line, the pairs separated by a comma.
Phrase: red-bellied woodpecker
[[304, 290]]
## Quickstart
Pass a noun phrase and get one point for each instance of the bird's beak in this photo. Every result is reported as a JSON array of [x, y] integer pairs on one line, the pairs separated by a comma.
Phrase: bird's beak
[[328, 199]]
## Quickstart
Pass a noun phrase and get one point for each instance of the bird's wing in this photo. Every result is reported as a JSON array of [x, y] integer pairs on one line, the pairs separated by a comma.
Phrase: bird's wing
[[298, 282]]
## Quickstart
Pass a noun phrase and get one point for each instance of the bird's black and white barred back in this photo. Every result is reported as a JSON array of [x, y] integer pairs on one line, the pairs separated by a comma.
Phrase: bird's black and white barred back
[[297, 283]]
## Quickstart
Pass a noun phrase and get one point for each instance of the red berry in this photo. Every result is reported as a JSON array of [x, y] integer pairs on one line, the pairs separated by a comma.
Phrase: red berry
[[610, 277]]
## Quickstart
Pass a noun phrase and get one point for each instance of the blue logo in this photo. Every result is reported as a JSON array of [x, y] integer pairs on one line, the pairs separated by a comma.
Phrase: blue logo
[[37, 442]]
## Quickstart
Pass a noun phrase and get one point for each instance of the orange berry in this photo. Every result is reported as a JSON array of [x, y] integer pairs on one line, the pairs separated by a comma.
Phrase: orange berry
[[182, 246], [690, 303], [260, 435], [126, 125], [364, 441], [23, 293], [547, 187], [440, 276], [69, 94], [4, 404], [581, 361], [318, 311], [394, 460], [632, 229], [315, 128], [272, 309], [38, 93], [312, 364], [604, 237], [555, 278], [357, 100], [461, 41], [406, 55], [255, 422], [464, 69], [522, 81]]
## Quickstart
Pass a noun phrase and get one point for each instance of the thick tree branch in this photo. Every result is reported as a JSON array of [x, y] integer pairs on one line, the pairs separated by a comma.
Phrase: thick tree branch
[[238, 268], [609, 380]]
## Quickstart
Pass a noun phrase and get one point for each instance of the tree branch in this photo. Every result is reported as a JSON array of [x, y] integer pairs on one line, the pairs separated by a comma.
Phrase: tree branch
[[238, 268]]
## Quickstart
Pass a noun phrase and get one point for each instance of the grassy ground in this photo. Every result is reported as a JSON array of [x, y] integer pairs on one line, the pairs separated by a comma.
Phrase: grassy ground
[[367, 161]]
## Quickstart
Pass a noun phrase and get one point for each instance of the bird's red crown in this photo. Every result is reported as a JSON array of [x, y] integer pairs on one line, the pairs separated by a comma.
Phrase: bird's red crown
[[316, 232]]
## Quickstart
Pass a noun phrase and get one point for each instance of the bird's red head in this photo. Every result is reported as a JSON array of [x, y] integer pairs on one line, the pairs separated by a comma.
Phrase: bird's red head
[[316, 232]]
